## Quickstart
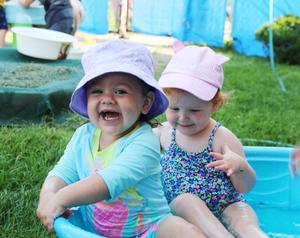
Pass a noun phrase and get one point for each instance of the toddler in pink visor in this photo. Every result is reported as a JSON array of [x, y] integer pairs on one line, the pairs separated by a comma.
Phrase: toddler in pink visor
[[204, 170]]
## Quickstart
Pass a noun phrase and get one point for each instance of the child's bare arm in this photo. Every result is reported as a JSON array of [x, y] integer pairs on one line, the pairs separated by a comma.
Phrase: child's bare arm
[[157, 132], [90, 190], [87, 191], [163, 133], [232, 160], [50, 187]]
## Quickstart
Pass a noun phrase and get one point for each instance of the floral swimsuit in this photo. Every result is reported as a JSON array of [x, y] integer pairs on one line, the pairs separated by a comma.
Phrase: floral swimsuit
[[184, 172]]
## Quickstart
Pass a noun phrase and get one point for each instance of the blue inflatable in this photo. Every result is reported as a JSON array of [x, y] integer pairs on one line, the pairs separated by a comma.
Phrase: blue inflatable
[[275, 197], [72, 227]]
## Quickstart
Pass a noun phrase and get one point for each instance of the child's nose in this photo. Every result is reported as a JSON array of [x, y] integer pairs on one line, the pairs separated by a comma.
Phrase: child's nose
[[107, 98], [182, 116]]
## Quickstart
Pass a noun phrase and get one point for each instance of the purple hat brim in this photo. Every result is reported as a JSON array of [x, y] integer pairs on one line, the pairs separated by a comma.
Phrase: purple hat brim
[[78, 102]]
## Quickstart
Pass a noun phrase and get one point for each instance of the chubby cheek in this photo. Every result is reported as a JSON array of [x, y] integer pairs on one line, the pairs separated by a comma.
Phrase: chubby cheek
[[171, 117], [91, 107]]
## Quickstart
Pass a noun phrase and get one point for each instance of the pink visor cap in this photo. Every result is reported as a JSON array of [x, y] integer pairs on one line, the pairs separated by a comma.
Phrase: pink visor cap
[[118, 56], [197, 70]]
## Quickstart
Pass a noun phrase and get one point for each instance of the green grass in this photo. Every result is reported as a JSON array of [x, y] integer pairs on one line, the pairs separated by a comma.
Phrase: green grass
[[27, 154], [257, 109]]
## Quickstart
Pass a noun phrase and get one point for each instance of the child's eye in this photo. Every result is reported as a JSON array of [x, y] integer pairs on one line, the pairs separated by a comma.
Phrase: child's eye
[[120, 91], [96, 91], [175, 109], [194, 110]]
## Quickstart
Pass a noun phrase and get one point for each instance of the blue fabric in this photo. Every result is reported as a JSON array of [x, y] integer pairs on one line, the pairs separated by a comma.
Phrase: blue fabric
[[192, 21], [249, 16], [155, 17], [95, 16], [63, 25], [204, 22], [3, 21]]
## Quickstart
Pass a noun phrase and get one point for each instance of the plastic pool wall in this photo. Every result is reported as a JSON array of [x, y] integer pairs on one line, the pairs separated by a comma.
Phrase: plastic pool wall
[[276, 195]]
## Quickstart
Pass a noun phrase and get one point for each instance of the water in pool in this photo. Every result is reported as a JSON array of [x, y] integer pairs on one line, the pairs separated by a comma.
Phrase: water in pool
[[279, 222], [276, 195]]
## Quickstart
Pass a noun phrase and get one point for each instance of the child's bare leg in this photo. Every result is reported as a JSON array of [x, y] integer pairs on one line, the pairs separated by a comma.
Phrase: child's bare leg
[[242, 221], [194, 210], [176, 227]]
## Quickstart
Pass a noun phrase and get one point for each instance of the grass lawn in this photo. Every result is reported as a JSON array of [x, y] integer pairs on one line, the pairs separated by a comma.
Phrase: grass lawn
[[257, 110]]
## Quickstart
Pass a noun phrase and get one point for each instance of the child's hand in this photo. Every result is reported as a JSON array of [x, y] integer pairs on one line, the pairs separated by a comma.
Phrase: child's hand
[[227, 161], [47, 212], [295, 161]]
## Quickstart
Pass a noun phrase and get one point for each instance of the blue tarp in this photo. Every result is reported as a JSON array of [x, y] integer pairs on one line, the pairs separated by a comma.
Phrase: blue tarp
[[249, 16], [195, 21], [191, 21], [95, 19]]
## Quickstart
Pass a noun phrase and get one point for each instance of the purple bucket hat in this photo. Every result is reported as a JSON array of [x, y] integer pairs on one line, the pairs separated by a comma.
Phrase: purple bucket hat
[[118, 56], [197, 70]]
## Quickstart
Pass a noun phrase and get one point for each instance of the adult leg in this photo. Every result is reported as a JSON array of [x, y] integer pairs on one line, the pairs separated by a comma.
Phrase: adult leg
[[3, 27], [176, 227], [2, 37], [242, 221], [123, 19], [78, 13], [191, 208]]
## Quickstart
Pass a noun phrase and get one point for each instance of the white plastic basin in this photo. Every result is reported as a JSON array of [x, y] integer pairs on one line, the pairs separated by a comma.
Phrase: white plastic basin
[[42, 43]]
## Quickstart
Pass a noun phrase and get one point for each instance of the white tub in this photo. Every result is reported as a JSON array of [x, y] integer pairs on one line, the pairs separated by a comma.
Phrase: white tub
[[42, 43]]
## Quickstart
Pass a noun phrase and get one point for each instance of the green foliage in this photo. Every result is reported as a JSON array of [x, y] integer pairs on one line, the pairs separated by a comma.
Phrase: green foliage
[[286, 38]]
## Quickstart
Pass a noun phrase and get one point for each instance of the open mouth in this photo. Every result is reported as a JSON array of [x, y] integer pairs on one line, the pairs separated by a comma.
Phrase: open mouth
[[109, 115]]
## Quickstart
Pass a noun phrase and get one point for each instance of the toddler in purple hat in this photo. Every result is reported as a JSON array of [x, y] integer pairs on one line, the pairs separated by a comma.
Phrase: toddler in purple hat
[[204, 170], [111, 166]]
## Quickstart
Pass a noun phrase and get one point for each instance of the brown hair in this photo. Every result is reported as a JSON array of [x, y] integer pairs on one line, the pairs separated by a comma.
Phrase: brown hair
[[220, 99]]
